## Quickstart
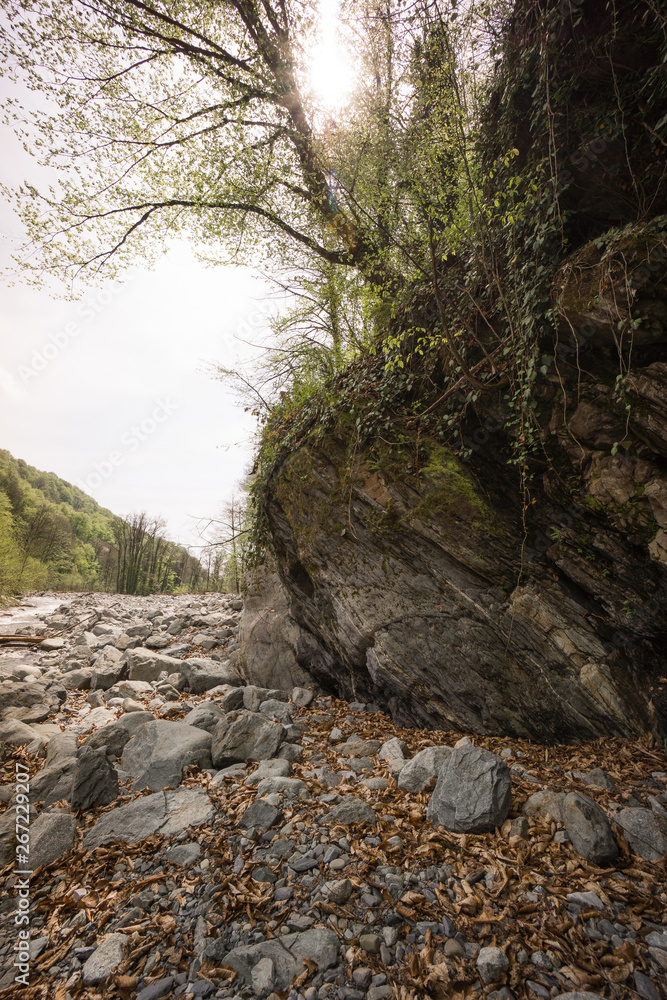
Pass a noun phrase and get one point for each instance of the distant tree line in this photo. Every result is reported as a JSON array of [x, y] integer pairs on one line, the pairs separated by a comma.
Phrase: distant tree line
[[52, 535]]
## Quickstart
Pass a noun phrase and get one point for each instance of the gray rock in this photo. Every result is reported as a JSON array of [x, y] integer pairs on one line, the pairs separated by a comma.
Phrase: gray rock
[[52, 645], [78, 679], [202, 674], [245, 736], [62, 747], [108, 669], [545, 803], [645, 988], [161, 750], [302, 696], [29, 701], [168, 813], [205, 716], [350, 810], [130, 705], [356, 747], [473, 793], [370, 943], [584, 995], [51, 835], [492, 964], [262, 977], [54, 782], [253, 696], [157, 641], [147, 664], [95, 780], [287, 954], [184, 854], [589, 829], [155, 991], [280, 710], [111, 953], [290, 788], [599, 778], [585, 900], [260, 814], [645, 832], [268, 635], [339, 891], [393, 749], [116, 735], [233, 699], [15, 733], [425, 766], [275, 768]]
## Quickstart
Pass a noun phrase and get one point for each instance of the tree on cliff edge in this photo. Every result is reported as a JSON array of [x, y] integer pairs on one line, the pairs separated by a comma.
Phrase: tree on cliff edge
[[174, 117]]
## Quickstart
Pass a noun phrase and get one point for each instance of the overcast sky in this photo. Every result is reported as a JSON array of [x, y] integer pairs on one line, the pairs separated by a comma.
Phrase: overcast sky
[[110, 392]]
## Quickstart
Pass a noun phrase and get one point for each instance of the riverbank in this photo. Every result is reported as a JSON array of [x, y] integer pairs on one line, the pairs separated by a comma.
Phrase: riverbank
[[299, 850]]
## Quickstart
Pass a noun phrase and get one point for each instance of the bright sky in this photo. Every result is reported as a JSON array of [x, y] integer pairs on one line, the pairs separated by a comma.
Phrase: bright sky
[[110, 392]]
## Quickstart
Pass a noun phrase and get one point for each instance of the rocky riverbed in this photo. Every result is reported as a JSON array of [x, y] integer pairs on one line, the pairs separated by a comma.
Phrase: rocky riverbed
[[195, 835]]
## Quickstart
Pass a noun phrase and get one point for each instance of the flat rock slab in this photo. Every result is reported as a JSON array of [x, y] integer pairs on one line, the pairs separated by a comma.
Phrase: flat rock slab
[[356, 747], [147, 664], [349, 810], [288, 955], [473, 793], [161, 750], [168, 813]]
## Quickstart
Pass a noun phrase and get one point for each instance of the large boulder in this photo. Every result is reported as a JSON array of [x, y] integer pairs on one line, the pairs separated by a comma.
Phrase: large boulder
[[419, 592], [473, 793], [269, 636], [161, 750], [167, 813], [245, 736], [201, 674], [147, 664]]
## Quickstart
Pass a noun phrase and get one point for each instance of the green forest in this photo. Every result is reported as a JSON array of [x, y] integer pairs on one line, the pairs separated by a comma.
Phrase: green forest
[[53, 536]]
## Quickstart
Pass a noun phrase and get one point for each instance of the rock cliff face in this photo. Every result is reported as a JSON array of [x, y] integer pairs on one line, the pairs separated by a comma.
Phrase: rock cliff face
[[424, 592], [428, 576]]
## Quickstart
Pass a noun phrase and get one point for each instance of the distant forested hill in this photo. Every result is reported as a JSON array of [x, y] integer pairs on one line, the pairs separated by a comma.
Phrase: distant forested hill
[[52, 535]]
